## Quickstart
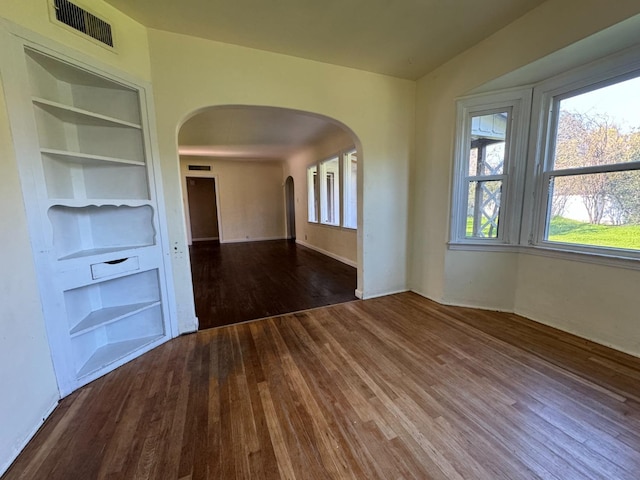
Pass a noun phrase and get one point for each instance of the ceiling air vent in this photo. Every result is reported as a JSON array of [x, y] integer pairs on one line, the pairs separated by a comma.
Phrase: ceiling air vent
[[79, 19]]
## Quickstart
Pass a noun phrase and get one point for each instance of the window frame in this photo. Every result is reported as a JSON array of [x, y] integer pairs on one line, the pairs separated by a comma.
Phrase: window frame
[[328, 199], [528, 212], [313, 194], [547, 97], [317, 196], [346, 177], [518, 103]]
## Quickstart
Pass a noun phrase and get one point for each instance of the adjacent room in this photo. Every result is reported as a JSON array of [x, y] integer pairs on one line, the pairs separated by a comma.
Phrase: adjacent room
[[240, 166], [319, 240]]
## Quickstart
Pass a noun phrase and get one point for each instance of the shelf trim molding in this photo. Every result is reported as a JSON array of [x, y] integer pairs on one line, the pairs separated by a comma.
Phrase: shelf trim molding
[[108, 315], [84, 113], [80, 157]]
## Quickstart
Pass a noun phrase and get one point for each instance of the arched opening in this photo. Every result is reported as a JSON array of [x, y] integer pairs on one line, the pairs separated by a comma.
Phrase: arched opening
[[286, 197], [290, 207]]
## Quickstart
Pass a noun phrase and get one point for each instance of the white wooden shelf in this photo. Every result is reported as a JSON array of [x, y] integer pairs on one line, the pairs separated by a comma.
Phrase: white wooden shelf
[[96, 202], [70, 114], [91, 197], [108, 315], [112, 352], [84, 158], [99, 251]]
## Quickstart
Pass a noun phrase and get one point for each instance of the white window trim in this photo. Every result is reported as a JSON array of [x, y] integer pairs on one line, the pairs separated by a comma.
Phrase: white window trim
[[311, 189], [340, 185], [344, 180], [546, 96], [518, 103], [530, 214]]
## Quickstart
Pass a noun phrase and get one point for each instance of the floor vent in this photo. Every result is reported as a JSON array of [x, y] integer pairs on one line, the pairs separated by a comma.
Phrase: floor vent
[[79, 19]]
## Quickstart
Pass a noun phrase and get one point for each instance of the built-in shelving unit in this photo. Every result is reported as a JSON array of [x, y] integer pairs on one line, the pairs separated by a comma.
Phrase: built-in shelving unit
[[91, 194]]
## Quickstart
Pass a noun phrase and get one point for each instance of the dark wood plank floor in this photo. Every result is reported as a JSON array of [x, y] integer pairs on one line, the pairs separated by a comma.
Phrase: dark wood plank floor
[[391, 388], [244, 281]]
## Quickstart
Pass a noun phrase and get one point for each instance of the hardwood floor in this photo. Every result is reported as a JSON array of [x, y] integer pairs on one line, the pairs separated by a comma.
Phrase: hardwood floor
[[236, 282], [391, 388]]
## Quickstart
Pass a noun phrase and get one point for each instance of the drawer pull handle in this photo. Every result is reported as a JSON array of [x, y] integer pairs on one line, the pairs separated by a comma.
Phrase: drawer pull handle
[[115, 262]]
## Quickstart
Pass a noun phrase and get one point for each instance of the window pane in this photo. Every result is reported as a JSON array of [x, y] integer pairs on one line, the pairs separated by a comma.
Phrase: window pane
[[350, 197], [312, 189], [601, 209], [487, 149], [330, 191], [483, 209], [601, 127]]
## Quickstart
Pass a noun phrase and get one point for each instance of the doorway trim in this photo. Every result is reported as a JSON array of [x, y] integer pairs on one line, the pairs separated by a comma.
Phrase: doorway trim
[[185, 199]]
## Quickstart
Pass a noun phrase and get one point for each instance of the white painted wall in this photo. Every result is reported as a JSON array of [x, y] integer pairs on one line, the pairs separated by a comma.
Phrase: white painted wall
[[26, 372], [340, 243], [377, 108], [29, 389], [592, 301], [250, 193]]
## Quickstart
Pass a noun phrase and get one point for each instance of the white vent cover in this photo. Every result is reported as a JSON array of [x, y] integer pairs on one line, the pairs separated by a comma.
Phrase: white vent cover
[[79, 19]]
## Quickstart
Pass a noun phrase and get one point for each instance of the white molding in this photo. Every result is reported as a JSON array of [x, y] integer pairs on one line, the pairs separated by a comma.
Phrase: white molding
[[483, 247], [328, 254], [21, 446], [531, 317], [564, 328], [358, 293], [384, 294], [462, 304], [255, 239]]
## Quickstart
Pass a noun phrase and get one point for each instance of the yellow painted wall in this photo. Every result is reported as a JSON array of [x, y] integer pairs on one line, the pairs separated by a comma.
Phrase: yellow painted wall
[[377, 108], [341, 243], [511, 281], [251, 194]]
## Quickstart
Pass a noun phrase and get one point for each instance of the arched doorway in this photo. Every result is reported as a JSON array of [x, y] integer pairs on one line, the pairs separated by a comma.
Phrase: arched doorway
[[290, 207], [256, 154]]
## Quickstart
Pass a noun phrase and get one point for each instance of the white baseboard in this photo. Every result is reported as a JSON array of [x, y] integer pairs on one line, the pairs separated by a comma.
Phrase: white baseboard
[[34, 430], [328, 254], [463, 304], [257, 239], [382, 294], [358, 293]]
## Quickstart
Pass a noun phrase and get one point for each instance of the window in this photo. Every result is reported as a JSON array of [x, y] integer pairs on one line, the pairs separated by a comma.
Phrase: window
[[330, 191], [330, 200], [591, 175], [312, 189], [350, 188], [576, 188], [486, 148]]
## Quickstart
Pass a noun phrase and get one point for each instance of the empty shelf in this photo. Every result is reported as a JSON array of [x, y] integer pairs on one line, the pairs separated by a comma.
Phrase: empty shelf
[[114, 351], [70, 114], [108, 315]]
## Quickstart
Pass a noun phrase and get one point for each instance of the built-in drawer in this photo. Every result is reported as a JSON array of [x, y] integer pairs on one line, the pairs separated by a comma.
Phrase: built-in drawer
[[114, 267]]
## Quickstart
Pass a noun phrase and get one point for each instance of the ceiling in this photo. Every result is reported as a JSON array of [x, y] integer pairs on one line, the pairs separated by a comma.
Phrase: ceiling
[[402, 38], [252, 132]]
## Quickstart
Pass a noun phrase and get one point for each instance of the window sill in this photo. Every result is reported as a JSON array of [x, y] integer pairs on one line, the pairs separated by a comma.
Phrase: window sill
[[483, 247], [332, 227], [599, 258]]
